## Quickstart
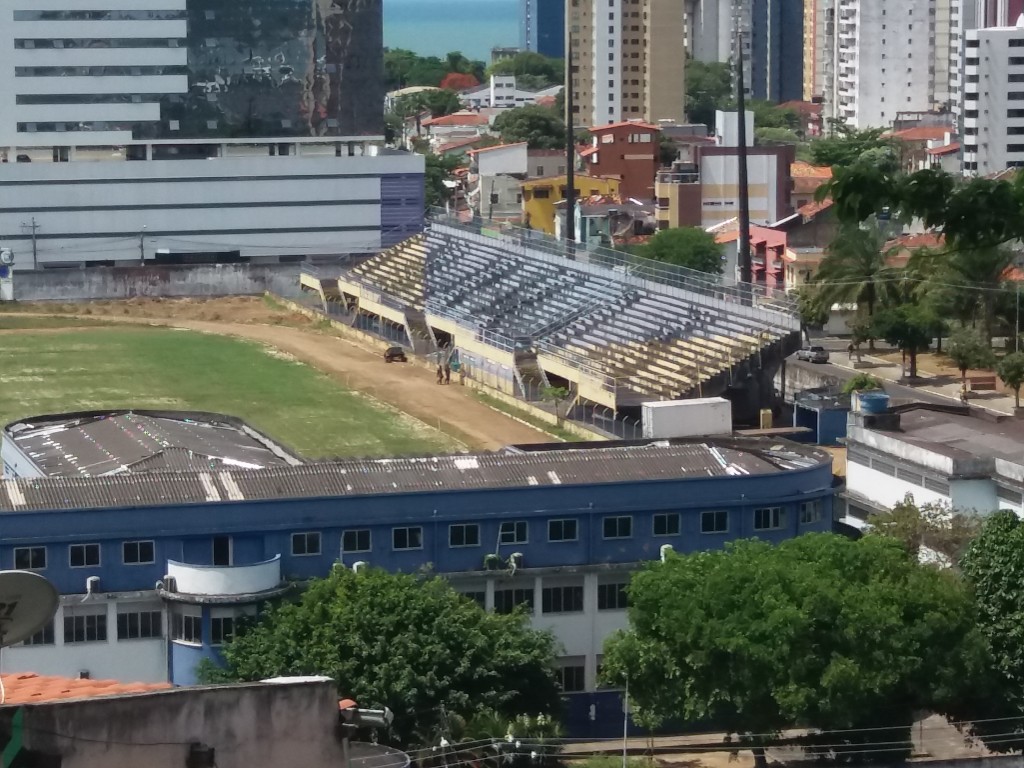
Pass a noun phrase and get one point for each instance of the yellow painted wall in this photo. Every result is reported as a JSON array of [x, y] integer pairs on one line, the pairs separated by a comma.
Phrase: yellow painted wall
[[541, 211]]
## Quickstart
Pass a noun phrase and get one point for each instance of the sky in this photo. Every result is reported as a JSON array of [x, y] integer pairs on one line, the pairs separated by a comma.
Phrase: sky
[[435, 27]]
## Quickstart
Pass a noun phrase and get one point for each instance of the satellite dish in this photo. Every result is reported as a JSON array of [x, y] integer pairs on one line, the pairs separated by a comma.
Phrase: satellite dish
[[27, 602], [6, 257]]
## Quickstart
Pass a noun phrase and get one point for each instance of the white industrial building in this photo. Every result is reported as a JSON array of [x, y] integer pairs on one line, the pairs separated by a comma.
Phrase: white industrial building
[[147, 131], [993, 116]]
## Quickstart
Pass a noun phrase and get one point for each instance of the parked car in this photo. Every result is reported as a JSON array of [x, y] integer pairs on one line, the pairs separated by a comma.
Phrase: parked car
[[393, 354], [813, 354]]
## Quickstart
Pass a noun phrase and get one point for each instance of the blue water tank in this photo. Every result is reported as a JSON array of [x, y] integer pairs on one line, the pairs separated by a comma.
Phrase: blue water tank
[[873, 402]]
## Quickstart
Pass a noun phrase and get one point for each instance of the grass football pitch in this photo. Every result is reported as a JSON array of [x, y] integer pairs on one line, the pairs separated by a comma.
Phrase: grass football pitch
[[57, 370]]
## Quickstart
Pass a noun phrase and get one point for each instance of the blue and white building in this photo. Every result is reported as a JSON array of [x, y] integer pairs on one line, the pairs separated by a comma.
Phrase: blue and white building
[[160, 531]]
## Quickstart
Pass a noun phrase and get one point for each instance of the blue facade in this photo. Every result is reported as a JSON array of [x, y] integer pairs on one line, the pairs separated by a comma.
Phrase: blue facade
[[776, 50], [402, 206], [542, 27]]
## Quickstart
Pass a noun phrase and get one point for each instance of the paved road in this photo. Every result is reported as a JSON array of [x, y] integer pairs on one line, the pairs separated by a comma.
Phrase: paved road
[[895, 390]]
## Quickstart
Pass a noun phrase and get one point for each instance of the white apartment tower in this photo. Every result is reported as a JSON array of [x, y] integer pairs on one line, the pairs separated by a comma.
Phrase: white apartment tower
[[891, 56], [993, 114]]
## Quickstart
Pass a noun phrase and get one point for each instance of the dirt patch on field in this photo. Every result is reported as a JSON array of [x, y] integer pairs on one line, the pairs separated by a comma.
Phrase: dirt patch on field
[[409, 388]]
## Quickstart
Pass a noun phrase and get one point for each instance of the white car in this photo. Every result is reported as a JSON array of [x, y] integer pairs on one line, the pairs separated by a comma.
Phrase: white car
[[813, 354]]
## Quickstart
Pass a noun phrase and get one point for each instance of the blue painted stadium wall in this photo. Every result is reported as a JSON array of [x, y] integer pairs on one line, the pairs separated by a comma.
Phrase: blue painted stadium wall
[[402, 207], [262, 529]]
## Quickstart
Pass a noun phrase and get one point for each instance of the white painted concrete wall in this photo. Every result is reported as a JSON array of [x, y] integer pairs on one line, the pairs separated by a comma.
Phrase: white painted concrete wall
[[225, 580], [885, 490]]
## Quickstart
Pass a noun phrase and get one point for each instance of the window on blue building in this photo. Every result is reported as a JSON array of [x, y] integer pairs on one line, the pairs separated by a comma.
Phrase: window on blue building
[[714, 522], [30, 558], [86, 627], [612, 597], [356, 541], [187, 626], [769, 518], [407, 538], [562, 599], [513, 532], [507, 600], [620, 527], [222, 550], [666, 524], [562, 530], [810, 511], [84, 555], [306, 543], [222, 629], [138, 552], [44, 636], [135, 625], [467, 535], [572, 677]]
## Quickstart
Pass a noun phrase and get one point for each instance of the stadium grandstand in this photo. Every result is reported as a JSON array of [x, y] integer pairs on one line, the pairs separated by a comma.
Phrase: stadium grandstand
[[518, 311]]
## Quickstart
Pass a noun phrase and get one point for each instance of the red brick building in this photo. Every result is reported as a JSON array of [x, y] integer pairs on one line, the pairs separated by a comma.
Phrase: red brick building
[[626, 151]]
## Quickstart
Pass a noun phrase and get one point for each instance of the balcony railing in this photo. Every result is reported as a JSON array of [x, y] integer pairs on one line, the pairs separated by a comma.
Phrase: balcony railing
[[225, 580]]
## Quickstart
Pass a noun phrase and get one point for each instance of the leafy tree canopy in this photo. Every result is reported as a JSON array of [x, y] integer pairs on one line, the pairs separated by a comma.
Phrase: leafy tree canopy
[[775, 137], [413, 645], [769, 115], [943, 533], [459, 81], [846, 146], [968, 350], [531, 69], [689, 247], [820, 631], [908, 328], [708, 87], [1011, 371], [862, 382], [539, 127], [439, 169], [404, 68]]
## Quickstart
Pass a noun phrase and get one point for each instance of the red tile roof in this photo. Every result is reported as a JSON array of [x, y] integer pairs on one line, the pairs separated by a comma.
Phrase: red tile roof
[[811, 210], [805, 170], [460, 143], [802, 107], [588, 151], [496, 146], [923, 133], [625, 124], [30, 688], [457, 118], [546, 101], [947, 149], [920, 240], [769, 238]]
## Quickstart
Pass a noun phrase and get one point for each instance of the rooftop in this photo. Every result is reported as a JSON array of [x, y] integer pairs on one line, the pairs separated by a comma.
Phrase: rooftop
[[625, 124], [945, 149], [923, 133], [94, 443], [557, 464], [457, 118], [30, 688], [960, 436]]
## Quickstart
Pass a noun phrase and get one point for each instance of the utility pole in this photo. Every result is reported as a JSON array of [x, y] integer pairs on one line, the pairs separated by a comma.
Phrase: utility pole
[[32, 228], [743, 254], [142, 246], [570, 143]]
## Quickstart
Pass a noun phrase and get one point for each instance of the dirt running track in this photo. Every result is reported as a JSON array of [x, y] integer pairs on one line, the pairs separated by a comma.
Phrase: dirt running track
[[409, 388]]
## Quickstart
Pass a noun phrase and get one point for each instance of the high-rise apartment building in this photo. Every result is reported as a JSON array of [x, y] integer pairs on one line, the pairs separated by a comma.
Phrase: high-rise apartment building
[[176, 130], [993, 106], [542, 27], [891, 56], [628, 60]]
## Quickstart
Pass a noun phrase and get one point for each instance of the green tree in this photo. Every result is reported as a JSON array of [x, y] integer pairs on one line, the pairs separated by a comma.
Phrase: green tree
[[769, 115], [992, 567], [820, 631], [1011, 371], [906, 327], [814, 311], [855, 269], [775, 137], [862, 382], [846, 146], [413, 645], [539, 70], [539, 127], [966, 350], [944, 532], [708, 87], [438, 170], [689, 247]]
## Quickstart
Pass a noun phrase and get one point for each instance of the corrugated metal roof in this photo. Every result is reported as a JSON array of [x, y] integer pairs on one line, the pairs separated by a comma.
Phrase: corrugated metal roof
[[102, 443], [656, 460]]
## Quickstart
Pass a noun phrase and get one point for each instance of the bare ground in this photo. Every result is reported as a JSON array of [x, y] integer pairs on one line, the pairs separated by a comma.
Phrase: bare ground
[[408, 388]]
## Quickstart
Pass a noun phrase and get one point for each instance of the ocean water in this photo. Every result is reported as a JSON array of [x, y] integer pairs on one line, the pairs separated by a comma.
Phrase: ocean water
[[435, 27]]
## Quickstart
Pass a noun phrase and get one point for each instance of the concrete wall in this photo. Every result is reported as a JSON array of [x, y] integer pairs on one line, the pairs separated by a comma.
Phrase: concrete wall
[[164, 282], [792, 378], [247, 725]]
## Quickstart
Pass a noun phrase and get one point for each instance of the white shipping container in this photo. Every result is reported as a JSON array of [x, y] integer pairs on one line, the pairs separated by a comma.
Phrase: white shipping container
[[687, 418]]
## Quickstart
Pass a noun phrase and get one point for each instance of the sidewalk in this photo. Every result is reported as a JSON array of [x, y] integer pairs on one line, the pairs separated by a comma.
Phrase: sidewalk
[[940, 384]]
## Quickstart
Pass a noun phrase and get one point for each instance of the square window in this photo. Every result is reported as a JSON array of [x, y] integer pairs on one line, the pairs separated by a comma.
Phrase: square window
[[618, 527], [87, 628], [562, 599], [769, 518], [513, 532], [222, 629], [714, 522], [304, 544], [562, 530], [138, 552], [464, 535], [572, 679], [29, 558], [44, 636], [84, 555], [187, 628], [407, 538], [666, 524], [356, 541], [810, 511], [135, 625], [612, 597], [507, 600]]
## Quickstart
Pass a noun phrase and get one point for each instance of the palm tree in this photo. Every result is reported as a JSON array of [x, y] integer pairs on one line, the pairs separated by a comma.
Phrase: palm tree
[[855, 269]]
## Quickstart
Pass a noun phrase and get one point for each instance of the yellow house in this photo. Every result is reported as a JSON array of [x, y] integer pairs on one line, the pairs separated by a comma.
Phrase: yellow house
[[540, 196]]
